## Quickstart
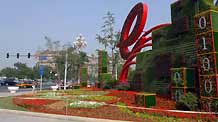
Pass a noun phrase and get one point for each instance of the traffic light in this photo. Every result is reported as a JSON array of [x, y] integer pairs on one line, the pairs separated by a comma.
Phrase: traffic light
[[18, 55], [28, 55], [7, 56]]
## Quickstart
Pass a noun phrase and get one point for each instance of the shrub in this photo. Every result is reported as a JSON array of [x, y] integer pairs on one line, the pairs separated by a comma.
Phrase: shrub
[[76, 87], [110, 84], [105, 77], [123, 86], [188, 102], [215, 105], [83, 84]]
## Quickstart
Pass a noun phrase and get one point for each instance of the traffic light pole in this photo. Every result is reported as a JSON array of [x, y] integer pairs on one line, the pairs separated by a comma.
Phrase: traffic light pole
[[18, 55]]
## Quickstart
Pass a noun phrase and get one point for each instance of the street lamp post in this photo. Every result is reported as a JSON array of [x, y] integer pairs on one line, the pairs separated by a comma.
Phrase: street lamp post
[[65, 71], [66, 65]]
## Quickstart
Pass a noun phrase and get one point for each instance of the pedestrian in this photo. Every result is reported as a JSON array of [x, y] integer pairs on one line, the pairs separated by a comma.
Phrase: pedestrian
[[34, 83]]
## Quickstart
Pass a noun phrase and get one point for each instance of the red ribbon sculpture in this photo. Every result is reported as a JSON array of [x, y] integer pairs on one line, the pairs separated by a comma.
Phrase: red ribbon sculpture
[[140, 39]]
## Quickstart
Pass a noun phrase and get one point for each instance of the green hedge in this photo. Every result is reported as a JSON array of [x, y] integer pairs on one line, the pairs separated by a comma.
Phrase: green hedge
[[145, 100], [105, 77], [102, 61], [84, 74]]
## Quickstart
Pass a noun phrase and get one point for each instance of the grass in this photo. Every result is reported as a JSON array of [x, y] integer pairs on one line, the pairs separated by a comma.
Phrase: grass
[[85, 92], [77, 94], [7, 103], [96, 98], [50, 94], [155, 118]]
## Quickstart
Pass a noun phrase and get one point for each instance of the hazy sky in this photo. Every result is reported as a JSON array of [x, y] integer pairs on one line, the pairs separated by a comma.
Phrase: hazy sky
[[24, 23]]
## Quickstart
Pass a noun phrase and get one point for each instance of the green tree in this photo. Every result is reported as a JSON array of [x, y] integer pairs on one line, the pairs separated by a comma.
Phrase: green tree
[[109, 37], [22, 71], [8, 72], [75, 61], [47, 74]]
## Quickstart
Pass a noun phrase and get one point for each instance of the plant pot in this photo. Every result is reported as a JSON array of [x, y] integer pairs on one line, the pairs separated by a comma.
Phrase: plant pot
[[54, 88], [13, 89]]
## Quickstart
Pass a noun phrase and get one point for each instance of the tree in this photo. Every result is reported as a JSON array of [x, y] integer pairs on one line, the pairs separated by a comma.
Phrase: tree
[[8, 72], [22, 71], [107, 30], [75, 60], [109, 37], [49, 43], [46, 72], [79, 44], [52, 45]]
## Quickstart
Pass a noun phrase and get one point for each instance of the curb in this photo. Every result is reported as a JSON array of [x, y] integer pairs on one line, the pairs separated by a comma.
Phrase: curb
[[59, 117]]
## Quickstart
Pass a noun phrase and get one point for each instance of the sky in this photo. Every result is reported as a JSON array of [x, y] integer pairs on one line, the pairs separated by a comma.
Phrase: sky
[[25, 23]]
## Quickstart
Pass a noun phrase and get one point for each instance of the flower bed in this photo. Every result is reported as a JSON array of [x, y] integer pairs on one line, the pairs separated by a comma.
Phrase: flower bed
[[175, 113], [85, 104], [164, 103], [127, 97], [32, 102], [103, 104]]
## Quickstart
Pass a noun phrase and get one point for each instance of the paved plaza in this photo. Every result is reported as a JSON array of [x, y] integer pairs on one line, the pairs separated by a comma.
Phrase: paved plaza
[[21, 116]]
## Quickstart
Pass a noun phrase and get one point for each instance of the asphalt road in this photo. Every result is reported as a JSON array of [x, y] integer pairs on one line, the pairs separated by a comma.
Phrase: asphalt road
[[4, 91], [44, 86]]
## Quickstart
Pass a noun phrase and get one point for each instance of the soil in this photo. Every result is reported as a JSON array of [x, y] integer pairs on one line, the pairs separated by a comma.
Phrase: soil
[[104, 112], [57, 105]]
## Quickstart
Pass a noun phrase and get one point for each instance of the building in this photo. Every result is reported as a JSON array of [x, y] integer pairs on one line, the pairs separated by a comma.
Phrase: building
[[47, 58]]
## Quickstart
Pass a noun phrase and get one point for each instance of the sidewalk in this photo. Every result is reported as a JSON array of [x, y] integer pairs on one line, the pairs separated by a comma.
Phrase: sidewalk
[[21, 116]]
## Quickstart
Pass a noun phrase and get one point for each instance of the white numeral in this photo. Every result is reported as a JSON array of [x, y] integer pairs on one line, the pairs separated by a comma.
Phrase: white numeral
[[204, 43], [202, 23], [208, 90], [206, 64]]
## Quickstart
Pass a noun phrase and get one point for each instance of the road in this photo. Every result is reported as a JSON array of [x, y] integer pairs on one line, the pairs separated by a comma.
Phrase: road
[[4, 90], [44, 86]]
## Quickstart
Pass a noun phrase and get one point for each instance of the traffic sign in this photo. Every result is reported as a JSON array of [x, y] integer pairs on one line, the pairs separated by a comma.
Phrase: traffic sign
[[41, 70], [42, 57]]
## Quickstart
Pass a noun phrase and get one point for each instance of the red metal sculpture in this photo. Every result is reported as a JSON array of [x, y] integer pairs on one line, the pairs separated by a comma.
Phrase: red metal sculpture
[[140, 39]]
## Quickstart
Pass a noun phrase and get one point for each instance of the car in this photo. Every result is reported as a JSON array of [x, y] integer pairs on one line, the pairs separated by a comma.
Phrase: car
[[24, 84], [1, 83], [9, 82]]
